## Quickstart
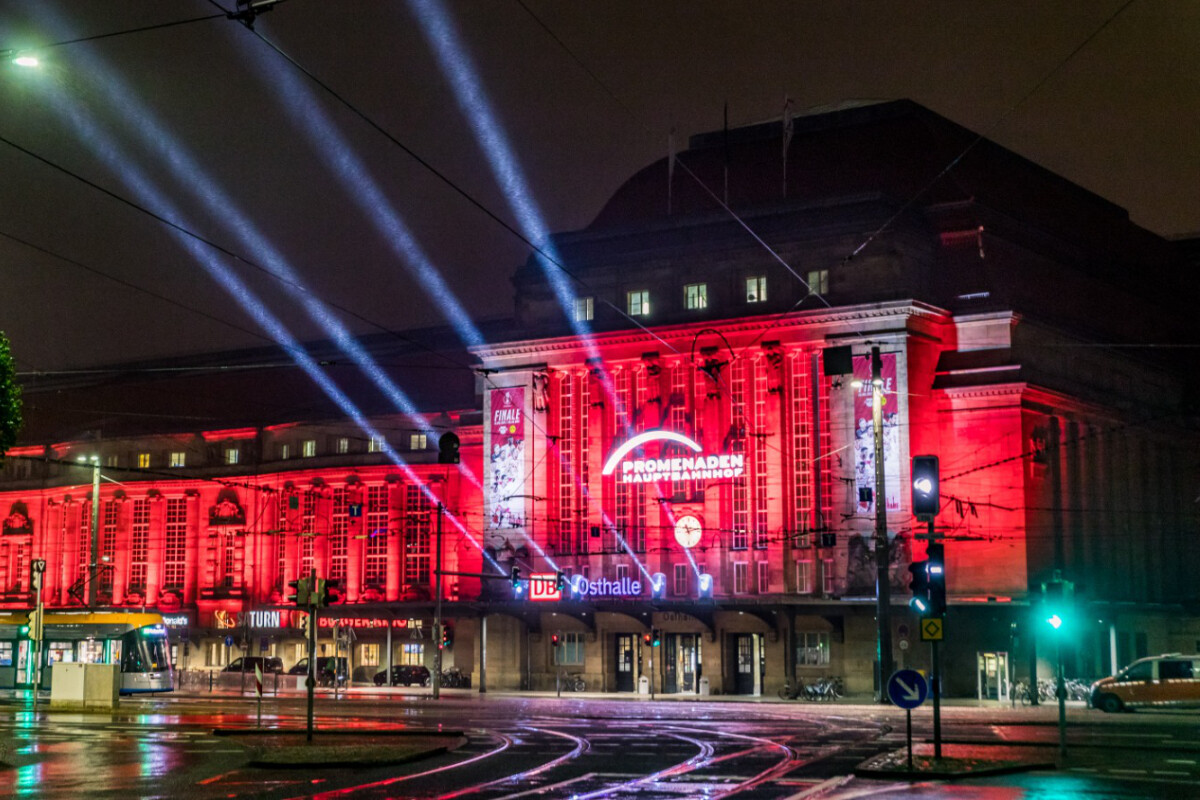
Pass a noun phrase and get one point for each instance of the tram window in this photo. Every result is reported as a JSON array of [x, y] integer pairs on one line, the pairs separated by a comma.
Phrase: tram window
[[62, 652], [6, 650], [91, 652]]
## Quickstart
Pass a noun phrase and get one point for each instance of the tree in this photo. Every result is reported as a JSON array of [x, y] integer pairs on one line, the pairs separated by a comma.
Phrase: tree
[[10, 398]]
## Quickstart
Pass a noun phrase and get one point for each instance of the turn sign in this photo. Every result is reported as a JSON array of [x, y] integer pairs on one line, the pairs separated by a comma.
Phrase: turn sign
[[907, 688]]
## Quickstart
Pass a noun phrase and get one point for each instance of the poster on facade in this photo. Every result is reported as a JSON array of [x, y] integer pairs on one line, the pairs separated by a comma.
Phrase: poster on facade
[[506, 487], [864, 435]]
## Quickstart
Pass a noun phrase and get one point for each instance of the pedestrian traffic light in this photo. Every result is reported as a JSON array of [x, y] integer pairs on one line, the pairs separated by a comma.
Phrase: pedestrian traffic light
[[447, 635], [655, 637], [23, 631], [448, 448], [555, 639], [299, 592], [515, 577], [918, 584], [646, 638], [936, 571], [925, 487]]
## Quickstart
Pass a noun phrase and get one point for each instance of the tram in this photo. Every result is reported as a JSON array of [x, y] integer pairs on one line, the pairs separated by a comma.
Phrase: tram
[[137, 641]]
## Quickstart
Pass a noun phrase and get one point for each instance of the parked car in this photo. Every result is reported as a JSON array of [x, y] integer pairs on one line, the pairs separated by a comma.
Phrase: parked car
[[1161, 681], [247, 664], [328, 667], [404, 675]]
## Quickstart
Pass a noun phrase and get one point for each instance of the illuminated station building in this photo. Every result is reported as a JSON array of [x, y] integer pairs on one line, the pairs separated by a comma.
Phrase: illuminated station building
[[689, 444]]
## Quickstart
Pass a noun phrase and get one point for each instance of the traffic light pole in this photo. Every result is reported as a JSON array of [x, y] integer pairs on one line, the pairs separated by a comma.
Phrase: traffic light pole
[[311, 681], [439, 638], [883, 599], [936, 684]]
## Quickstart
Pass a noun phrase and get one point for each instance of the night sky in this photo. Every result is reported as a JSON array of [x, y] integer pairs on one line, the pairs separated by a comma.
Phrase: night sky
[[1121, 117]]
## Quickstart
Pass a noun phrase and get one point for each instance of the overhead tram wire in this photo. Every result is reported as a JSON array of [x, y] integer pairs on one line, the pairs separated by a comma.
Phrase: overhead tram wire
[[96, 37]]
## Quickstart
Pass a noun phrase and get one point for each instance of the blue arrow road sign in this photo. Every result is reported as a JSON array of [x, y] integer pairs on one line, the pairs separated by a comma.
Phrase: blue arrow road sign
[[907, 688]]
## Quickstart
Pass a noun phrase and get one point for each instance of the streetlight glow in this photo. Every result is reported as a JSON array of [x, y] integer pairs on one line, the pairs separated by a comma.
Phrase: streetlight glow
[[26, 61]]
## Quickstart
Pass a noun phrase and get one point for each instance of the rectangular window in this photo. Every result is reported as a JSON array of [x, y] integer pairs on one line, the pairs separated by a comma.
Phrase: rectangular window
[[309, 448], [583, 309], [695, 296], [368, 655], [827, 575], [680, 584], [622, 571], [756, 289], [804, 577], [638, 303], [285, 452], [741, 577], [178, 458], [143, 460], [417, 527], [140, 531], [232, 455], [175, 562], [111, 461], [412, 654], [818, 281], [376, 514], [375, 444], [764, 577], [570, 649], [343, 446], [215, 654], [339, 526], [417, 441], [812, 648]]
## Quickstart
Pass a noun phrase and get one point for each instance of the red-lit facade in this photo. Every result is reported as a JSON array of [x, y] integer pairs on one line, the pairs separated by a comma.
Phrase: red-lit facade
[[994, 313]]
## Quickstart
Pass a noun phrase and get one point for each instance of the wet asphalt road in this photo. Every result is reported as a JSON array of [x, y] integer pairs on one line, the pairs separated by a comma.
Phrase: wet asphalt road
[[544, 747]]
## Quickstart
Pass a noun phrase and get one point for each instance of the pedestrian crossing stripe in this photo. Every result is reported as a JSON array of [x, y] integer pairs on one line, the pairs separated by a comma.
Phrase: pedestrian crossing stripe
[[931, 630]]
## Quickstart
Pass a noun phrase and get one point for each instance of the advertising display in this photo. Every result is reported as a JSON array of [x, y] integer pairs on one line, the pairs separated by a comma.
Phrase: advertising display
[[506, 460], [864, 434]]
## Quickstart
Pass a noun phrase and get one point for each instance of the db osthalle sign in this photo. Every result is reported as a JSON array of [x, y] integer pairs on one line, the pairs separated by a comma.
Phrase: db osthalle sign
[[699, 467]]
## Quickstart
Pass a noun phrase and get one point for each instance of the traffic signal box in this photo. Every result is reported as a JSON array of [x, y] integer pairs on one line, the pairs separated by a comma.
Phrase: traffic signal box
[[299, 592], [447, 635], [925, 493], [515, 577], [928, 582], [1058, 596]]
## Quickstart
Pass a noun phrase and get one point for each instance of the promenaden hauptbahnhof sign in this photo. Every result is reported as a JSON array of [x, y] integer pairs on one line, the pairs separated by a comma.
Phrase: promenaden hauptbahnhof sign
[[683, 468]]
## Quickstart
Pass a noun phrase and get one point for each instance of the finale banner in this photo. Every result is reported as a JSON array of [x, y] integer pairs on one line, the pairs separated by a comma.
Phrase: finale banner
[[864, 433], [506, 489]]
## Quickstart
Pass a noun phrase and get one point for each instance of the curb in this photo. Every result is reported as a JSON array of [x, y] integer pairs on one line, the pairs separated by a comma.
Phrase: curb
[[917, 775]]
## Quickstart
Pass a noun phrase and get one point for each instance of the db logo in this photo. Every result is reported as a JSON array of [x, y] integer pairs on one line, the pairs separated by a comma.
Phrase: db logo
[[541, 587]]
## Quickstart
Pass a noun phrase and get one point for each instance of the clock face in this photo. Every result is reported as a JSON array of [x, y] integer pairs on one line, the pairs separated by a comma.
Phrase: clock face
[[687, 531]]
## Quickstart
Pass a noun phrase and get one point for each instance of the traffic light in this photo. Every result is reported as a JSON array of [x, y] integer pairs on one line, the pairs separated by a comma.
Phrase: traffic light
[[936, 570], [555, 639], [36, 624], [1057, 596], [448, 448], [447, 635], [515, 577], [328, 592], [23, 631], [918, 584], [560, 581], [925, 487], [300, 592], [655, 637], [646, 638]]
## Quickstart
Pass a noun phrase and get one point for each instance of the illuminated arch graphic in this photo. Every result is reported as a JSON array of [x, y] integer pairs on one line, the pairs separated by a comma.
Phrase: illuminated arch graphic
[[642, 438]]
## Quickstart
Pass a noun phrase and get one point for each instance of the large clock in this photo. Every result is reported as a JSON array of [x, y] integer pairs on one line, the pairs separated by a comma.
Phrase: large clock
[[687, 531]]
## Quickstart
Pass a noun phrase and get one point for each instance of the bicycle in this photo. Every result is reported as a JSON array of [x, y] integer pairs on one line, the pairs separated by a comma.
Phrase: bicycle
[[790, 691], [1020, 691], [575, 683]]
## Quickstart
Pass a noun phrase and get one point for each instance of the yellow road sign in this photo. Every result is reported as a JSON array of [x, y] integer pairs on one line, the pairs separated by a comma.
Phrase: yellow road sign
[[931, 630]]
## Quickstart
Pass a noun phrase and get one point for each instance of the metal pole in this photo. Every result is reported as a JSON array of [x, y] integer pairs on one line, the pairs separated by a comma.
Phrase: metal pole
[[1062, 704], [437, 611], [94, 566], [882, 561], [389, 650], [311, 681], [908, 717], [483, 654], [936, 688]]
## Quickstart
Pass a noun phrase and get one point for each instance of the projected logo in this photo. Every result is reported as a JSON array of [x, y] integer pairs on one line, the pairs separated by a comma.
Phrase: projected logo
[[683, 468]]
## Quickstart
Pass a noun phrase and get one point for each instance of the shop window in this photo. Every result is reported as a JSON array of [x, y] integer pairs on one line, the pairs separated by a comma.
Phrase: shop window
[[570, 649], [412, 654], [584, 308], [285, 452], [695, 296], [6, 654], [680, 584], [308, 448], [418, 441], [368, 655], [178, 458], [818, 281], [112, 461], [215, 654], [756, 289], [812, 649], [804, 577], [764, 577], [143, 460], [232, 455], [741, 577], [638, 303]]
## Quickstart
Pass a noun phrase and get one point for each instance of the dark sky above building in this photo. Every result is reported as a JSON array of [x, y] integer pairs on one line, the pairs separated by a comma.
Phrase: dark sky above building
[[586, 93]]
